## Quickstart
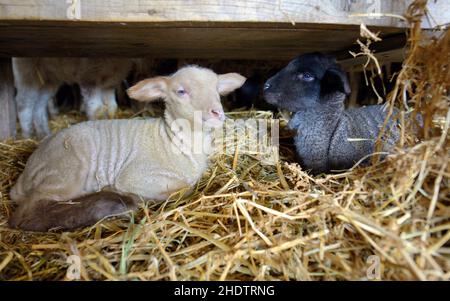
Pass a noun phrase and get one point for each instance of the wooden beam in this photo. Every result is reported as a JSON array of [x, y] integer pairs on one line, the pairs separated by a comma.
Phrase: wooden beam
[[384, 59], [266, 11], [209, 40], [387, 44], [210, 29], [7, 104]]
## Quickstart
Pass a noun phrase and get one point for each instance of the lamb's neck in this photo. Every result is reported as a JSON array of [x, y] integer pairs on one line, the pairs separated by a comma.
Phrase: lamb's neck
[[189, 138], [333, 102], [330, 109]]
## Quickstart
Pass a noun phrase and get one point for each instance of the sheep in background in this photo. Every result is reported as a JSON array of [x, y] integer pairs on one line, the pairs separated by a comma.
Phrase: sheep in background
[[67, 98], [149, 158], [328, 137], [38, 79]]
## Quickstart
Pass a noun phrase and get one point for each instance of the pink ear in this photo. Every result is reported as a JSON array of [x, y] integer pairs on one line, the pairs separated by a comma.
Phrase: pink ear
[[229, 82], [149, 89]]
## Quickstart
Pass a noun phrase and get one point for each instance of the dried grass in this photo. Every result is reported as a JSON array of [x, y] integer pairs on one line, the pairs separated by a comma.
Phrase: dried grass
[[248, 221]]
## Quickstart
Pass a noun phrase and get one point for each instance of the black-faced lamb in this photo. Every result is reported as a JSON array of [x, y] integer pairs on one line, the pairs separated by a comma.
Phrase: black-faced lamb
[[94, 169], [328, 136]]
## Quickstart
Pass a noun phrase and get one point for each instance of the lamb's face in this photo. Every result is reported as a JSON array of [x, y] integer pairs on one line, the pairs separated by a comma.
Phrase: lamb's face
[[303, 82], [192, 93]]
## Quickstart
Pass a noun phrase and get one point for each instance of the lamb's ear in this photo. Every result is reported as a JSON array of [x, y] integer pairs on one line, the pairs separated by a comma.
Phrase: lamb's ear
[[335, 80], [229, 82], [149, 89]]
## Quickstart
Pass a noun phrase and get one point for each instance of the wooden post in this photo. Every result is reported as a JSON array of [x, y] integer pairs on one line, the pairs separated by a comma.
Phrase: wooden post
[[354, 85], [7, 104]]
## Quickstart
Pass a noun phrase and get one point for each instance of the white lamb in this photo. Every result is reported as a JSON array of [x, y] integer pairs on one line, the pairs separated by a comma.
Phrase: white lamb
[[101, 165]]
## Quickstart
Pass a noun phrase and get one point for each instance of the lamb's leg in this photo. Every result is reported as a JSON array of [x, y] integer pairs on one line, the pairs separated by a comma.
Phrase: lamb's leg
[[52, 107], [109, 99], [92, 99], [81, 212], [40, 113], [25, 100]]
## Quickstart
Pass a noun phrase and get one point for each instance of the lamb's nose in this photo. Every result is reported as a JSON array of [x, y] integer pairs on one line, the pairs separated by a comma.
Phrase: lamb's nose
[[217, 114], [266, 86]]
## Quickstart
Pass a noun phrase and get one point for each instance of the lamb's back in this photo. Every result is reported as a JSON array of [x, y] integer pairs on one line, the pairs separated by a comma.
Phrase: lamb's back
[[81, 159], [356, 134]]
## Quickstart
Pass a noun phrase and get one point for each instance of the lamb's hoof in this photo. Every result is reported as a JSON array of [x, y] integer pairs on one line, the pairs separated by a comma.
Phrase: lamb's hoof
[[29, 222]]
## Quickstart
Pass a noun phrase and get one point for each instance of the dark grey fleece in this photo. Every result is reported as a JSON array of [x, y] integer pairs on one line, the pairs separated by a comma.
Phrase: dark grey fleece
[[332, 138]]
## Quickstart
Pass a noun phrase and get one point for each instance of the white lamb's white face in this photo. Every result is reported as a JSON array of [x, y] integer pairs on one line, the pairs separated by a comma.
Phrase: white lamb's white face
[[192, 93]]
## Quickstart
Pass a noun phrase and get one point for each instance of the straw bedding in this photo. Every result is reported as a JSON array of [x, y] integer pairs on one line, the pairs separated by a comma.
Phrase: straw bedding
[[250, 221]]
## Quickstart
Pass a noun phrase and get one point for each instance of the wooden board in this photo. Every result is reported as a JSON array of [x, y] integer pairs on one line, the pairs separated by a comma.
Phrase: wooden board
[[286, 11], [7, 104], [275, 41], [227, 29], [305, 11]]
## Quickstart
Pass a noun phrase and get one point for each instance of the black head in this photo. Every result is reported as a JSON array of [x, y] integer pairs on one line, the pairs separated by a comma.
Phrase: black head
[[305, 82]]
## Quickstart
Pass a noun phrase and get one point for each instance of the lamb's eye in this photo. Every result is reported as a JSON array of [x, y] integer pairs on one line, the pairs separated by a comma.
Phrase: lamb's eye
[[306, 76], [181, 92]]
